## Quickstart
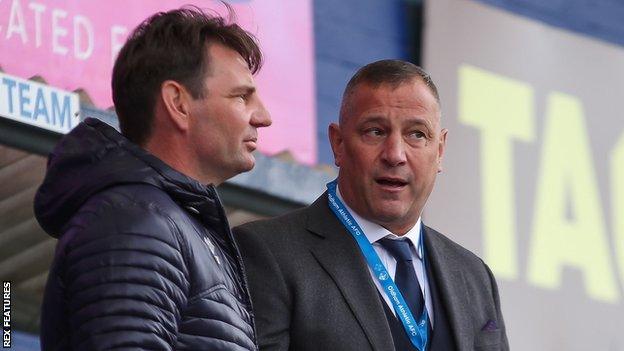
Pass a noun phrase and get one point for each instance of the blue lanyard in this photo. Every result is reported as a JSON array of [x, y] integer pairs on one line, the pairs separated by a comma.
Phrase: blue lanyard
[[417, 331]]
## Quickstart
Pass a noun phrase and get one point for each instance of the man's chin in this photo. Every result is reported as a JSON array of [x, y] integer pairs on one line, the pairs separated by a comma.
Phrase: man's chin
[[248, 164], [397, 225], [387, 217], [390, 214]]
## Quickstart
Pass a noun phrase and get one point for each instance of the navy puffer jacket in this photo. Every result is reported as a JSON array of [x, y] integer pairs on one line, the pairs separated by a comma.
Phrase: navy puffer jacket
[[145, 258]]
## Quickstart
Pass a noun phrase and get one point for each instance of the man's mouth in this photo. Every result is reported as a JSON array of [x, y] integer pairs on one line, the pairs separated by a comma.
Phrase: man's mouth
[[391, 182], [251, 143]]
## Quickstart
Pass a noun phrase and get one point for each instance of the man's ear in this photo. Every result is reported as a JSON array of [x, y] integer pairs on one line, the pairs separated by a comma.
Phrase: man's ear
[[337, 143], [441, 148], [176, 100]]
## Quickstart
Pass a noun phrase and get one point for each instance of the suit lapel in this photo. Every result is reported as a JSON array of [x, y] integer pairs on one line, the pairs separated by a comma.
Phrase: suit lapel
[[452, 288], [341, 258]]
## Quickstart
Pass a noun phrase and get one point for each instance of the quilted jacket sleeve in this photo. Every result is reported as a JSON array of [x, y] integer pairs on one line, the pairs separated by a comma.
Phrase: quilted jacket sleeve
[[125, 278]]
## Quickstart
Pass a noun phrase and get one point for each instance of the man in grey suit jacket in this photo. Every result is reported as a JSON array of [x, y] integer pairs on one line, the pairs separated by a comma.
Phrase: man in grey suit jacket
[[319, 284]]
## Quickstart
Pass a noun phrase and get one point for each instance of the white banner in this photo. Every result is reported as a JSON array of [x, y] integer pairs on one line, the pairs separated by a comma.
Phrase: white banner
[[38, 104]]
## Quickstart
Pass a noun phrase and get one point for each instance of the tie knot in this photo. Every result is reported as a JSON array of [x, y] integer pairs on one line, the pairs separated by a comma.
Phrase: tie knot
[[400, 249]]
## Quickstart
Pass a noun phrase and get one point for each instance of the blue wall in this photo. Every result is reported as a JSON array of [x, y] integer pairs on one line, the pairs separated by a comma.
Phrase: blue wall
[[601, 19], [352, 33], [349, 34]]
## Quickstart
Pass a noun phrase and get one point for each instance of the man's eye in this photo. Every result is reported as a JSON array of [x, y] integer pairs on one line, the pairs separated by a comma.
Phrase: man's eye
[[373, 132], [417, 134], [242, 97]]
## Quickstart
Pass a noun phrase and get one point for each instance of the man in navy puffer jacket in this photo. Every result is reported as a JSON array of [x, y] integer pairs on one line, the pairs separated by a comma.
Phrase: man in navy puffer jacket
[[145, 258]]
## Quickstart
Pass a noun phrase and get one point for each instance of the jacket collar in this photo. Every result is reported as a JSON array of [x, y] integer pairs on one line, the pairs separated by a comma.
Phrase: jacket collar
[[340, 256], [94, 157], [451, 286]]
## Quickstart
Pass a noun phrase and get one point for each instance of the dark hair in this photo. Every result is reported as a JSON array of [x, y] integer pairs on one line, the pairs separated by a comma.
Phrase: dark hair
[[171, 45], [391, 72]]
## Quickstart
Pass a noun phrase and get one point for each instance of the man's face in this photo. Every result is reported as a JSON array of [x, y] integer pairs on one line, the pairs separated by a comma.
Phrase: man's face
[[223, 124], [389, 149]]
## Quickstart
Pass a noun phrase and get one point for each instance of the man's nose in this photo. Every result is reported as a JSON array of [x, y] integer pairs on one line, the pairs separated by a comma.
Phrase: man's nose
[[261, 116], [394, 151]]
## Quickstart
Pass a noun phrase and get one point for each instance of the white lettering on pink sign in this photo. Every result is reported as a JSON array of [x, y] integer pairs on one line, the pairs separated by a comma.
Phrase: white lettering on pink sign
[[73, 44]]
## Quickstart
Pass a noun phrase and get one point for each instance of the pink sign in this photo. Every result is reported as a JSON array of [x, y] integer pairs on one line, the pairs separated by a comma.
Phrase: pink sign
[[72, 44]]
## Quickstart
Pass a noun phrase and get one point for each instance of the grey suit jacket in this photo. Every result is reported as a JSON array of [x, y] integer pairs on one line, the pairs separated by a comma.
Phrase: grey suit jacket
[[311, 288]]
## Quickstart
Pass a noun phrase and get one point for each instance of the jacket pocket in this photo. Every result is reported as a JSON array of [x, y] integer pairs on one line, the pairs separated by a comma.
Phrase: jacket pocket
[[488, 340]]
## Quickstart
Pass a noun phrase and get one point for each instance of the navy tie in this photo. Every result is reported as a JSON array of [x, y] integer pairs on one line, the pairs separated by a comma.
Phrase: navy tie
[[405, 276]]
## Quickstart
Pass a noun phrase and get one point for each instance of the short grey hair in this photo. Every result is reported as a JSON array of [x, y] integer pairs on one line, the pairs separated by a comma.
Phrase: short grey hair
[[391, 72]]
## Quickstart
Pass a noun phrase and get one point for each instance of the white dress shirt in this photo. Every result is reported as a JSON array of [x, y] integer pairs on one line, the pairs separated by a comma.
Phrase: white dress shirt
[[374, 232]]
